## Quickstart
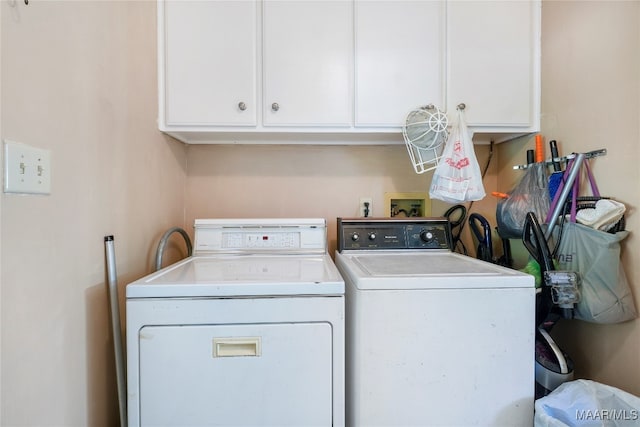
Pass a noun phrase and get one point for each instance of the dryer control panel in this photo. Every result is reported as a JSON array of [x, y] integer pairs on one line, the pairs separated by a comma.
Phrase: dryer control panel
[[260, 235], [392, 233]]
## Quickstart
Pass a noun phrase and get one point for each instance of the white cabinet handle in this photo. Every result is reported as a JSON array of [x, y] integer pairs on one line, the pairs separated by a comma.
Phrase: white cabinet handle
[[275, 106], [242, 106]]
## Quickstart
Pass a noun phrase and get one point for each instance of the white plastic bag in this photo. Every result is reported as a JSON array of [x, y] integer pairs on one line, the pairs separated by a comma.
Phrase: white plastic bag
[[585, 403], [457, 177]]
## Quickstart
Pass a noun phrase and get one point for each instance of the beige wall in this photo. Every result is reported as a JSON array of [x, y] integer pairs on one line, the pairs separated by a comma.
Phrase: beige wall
[[299, 181], [591, 100], [78, 78]]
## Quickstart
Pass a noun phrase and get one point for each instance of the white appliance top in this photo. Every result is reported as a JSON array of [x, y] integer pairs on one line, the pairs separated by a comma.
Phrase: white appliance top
[[413, 253], [425, 269], [243, 258], [242, 275]]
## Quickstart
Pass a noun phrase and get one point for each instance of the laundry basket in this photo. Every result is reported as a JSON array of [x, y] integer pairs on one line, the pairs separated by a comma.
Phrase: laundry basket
[[586, 403]]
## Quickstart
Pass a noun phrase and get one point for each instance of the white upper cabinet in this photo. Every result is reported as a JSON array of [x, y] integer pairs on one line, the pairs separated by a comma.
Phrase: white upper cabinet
[[344, 71], [399, 59], [210, 66], [493, 64], [307, 60]]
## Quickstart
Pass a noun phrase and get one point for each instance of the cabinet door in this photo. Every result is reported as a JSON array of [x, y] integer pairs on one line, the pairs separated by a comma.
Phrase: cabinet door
[[307, 57], [490, 51], [399, 59], [210, 62]]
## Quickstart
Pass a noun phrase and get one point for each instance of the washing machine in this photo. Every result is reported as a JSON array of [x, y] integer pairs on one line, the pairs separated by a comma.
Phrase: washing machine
[[249, 331], [433, 337]]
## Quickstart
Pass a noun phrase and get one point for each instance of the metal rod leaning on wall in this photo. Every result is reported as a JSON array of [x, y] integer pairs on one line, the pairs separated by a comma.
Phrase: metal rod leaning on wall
[[115, 324], [566, 189]]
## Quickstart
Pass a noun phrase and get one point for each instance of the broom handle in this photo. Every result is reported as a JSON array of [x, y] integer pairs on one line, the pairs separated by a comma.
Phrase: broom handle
[[575, 170], [539, 149]]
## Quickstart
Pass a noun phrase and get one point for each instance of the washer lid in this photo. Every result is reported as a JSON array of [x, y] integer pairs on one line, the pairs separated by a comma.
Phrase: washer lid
[[427, 270], [242, 275]]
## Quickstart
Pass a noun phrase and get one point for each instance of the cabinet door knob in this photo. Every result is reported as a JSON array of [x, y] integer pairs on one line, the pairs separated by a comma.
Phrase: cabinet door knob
[[242, 106], [275, 106]]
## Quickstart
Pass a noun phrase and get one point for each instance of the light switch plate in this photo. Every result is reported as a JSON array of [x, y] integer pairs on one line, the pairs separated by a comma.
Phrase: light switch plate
[[27, 169]]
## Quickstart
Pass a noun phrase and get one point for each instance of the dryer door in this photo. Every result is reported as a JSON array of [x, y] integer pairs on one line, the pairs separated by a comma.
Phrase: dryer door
[[227, 375]]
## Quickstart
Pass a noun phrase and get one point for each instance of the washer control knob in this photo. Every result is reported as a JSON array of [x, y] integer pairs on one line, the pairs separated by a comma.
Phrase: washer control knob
[[372, 236], [355, 237], [426, 236]]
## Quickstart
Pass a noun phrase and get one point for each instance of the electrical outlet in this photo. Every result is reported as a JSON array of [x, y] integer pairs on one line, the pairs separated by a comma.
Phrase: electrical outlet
[[365, 208], [407, 204], [26, 169]]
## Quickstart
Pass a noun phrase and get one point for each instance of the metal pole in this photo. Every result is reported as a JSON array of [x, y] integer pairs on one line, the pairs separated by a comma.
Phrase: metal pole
[[568, 185], [115, 326]]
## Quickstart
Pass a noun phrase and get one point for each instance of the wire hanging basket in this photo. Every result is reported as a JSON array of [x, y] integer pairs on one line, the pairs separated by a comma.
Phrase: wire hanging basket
[[425, 132]]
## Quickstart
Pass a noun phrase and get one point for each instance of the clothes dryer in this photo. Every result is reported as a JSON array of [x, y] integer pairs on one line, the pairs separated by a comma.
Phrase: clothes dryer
[[249, 331]]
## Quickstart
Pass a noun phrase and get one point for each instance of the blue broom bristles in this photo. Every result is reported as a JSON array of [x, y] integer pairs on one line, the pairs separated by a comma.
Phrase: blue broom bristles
[[554, 184]]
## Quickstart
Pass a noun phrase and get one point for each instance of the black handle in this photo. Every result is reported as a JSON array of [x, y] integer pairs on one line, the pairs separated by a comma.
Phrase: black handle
[[456, 215], [485, 245], [554, 155], [533, 239], [530, 157]]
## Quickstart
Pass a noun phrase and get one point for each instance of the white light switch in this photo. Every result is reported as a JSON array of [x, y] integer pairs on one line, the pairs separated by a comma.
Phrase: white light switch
[[26, 169]]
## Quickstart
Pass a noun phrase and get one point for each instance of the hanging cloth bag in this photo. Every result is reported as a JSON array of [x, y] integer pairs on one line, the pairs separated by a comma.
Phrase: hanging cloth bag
[[605, 295], [457, 177], [529, 195]]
